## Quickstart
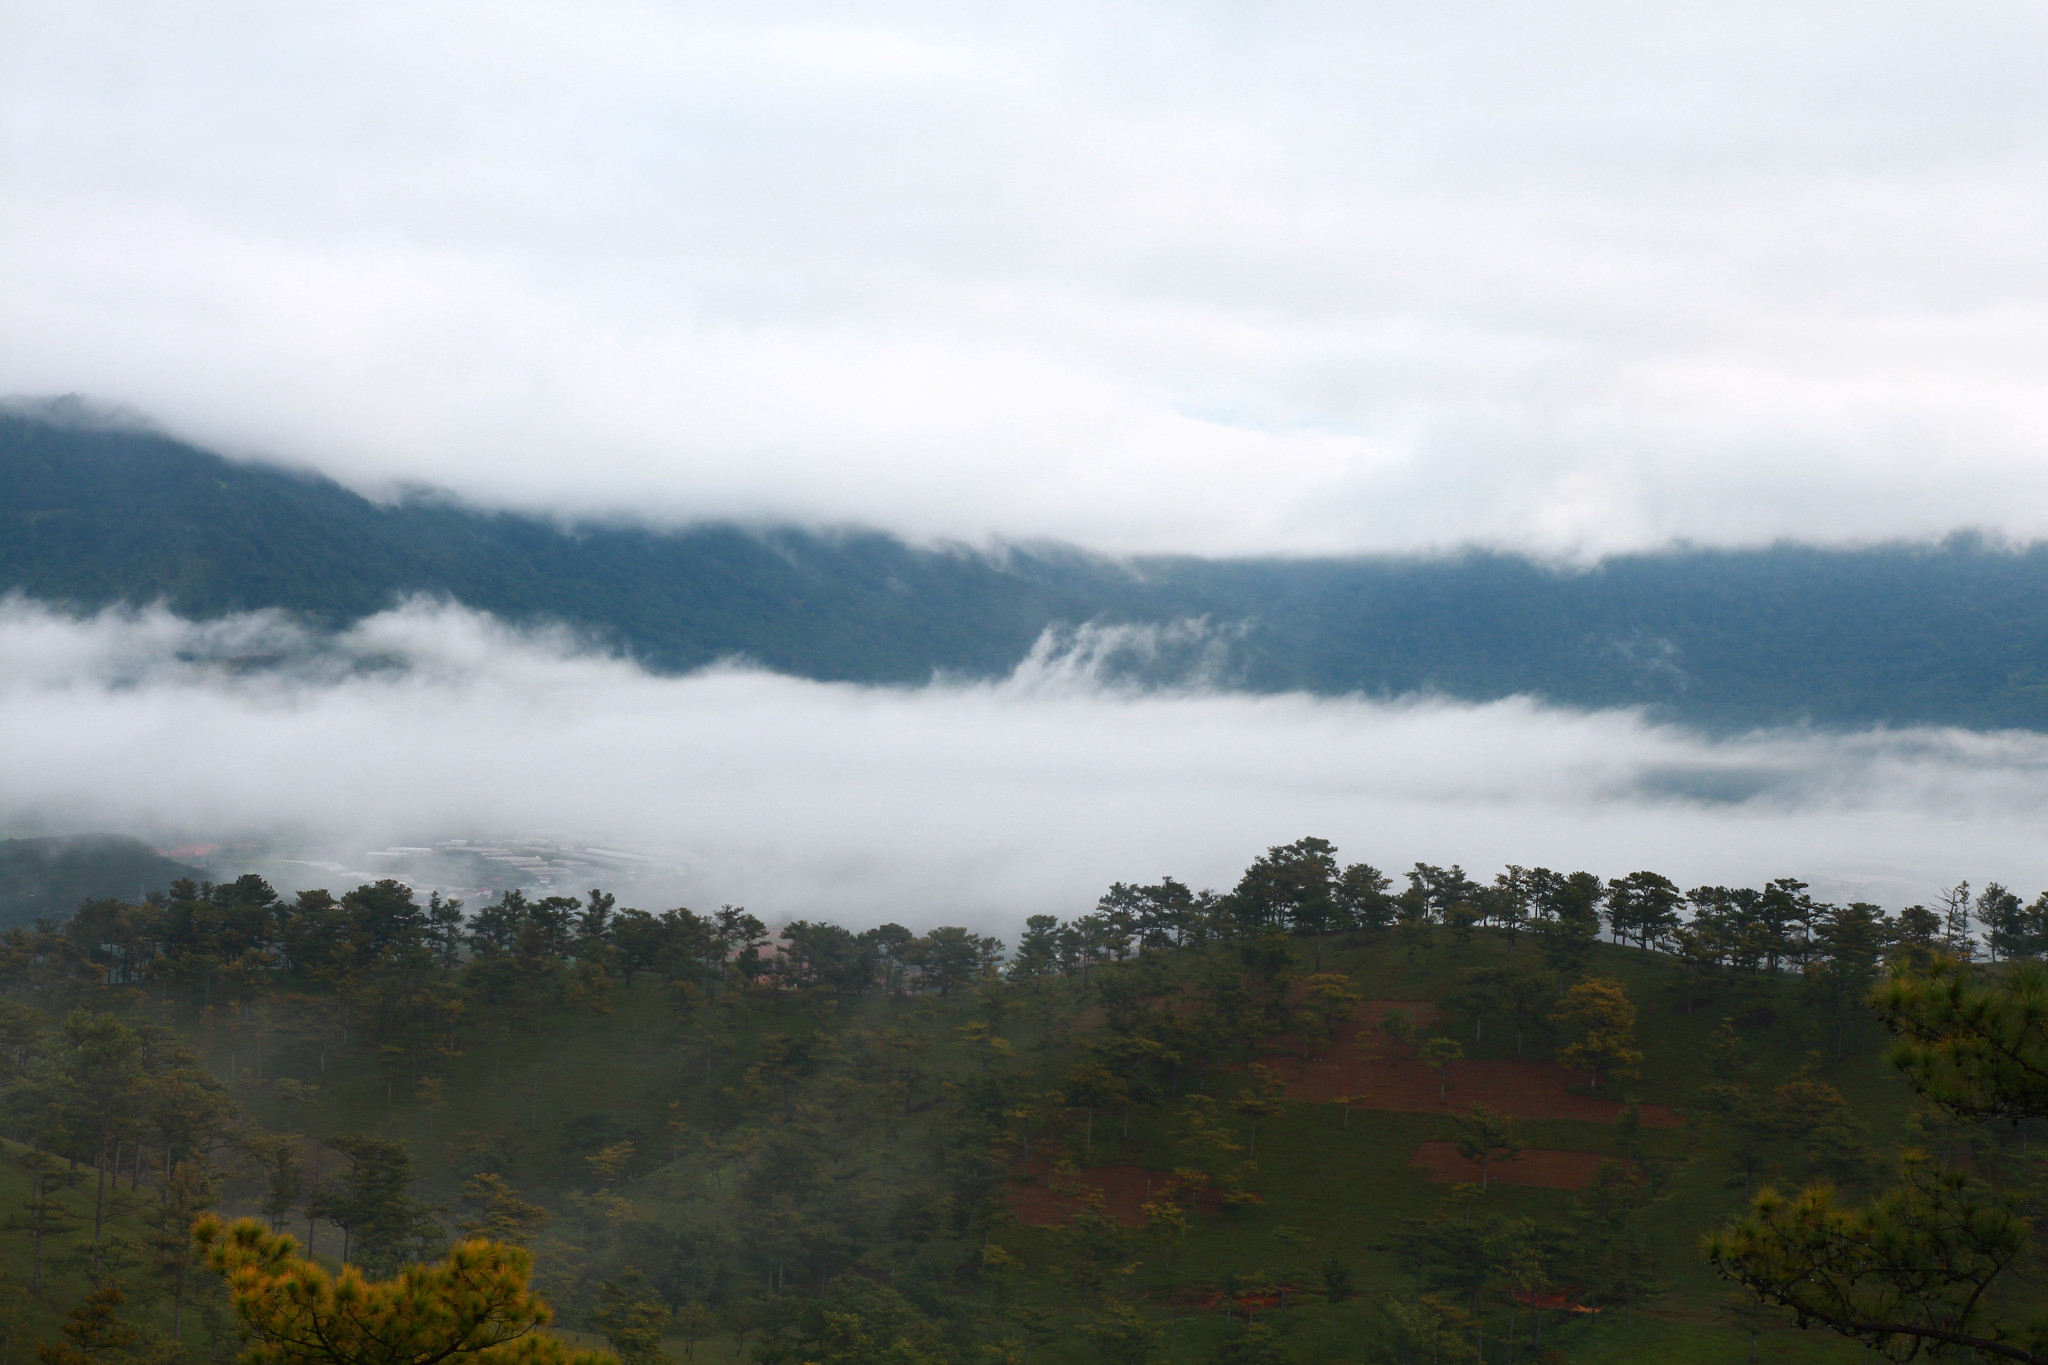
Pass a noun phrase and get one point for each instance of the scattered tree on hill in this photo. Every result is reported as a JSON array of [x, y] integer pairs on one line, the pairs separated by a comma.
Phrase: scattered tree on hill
[[381, 1223], [1141, 1068], [474, 1305], [1166, 1219], [1327, 999], [1211, 1149], [693, 1322], [1956, 940], [282, 1161], [1037, 959], [2013, 929], [93, 1332], [92, 1084], [1605, 1252], [1915, 938], [1599, 1023], [1290, 888], [1091, 1086], [1422, 1328], [1478, 994], [1337, 1285], [1361, 895], [1816, 1118], [494, 1212], [1527, 996], [1485, 1137], [1643, 906], [1270, 960], [1849, 942], [14, 1314], [1440, 1053], [1098, 1247], [1567, 921], [1915, 1268], [192, 1188], [1121, 1334], [1264, 1095], [42, 1215], [1397, 1027], [854, 1320], [631, 1319]]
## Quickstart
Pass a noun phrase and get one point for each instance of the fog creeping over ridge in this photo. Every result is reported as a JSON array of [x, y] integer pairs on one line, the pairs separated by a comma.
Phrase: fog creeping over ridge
[[978, 803]]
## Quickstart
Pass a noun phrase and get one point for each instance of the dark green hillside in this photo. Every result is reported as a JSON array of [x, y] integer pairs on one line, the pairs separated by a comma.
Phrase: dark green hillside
[[1955, 633], [91, 516], [49, 877], [1184, 1126]]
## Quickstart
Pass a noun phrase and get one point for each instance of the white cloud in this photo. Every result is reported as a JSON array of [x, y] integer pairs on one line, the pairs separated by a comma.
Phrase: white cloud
[[951, 802], [1295, 277]]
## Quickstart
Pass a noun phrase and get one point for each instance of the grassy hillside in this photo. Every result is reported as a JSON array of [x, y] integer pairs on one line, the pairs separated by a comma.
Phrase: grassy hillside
[[1341, 1184], [1955, 633], [536, 1099], [1305, 1121]]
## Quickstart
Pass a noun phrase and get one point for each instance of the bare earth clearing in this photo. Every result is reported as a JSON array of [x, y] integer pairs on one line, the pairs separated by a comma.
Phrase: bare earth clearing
[[1360, 1063], [1125, 1191]]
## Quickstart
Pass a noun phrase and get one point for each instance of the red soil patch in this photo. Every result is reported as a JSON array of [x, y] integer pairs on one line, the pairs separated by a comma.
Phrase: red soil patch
[[1421, 1013], [1360, 1063], [1249, 1304], [1125, 1192], [1535, 1166]]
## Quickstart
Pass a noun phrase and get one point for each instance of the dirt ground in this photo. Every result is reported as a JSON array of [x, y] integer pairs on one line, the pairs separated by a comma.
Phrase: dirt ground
[[1536, 1166], [1360, 1063], [1125, 1190]]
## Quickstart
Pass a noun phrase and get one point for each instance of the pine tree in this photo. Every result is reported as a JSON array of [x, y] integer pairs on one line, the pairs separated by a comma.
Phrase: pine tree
[[1439, 1053], [1914, 1268], [631, 1319], [1263, 1096], [94, 1332], [1600, 1022], [373, 1206], [1486, 1137], [43, 1214], [496, 1213], [473, 1307]]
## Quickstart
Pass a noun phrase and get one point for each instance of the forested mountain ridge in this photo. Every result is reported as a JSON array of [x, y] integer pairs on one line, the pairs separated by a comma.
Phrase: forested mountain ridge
[[1950, 633]]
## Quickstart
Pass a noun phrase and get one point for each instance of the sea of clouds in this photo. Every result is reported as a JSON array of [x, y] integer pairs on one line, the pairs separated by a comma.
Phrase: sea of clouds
[[974, 802]]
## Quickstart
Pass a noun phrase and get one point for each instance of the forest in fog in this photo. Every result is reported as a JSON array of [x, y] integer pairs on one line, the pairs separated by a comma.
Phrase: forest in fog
[[1327, 1113]]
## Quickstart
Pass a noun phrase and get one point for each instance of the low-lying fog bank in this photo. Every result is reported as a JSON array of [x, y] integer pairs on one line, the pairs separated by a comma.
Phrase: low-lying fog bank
[[976, 803]]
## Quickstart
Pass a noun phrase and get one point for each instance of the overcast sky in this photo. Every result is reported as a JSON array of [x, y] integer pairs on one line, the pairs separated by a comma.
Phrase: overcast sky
[[1219, 278]]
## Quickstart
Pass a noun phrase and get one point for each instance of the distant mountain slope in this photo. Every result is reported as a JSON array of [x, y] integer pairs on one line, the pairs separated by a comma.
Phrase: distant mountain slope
[[47, 878], [1955, 633]]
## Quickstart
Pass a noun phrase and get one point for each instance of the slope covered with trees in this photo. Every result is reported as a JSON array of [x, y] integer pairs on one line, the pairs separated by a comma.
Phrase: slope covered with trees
[[1325, 1115], [1955, 633], [50, 876]]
